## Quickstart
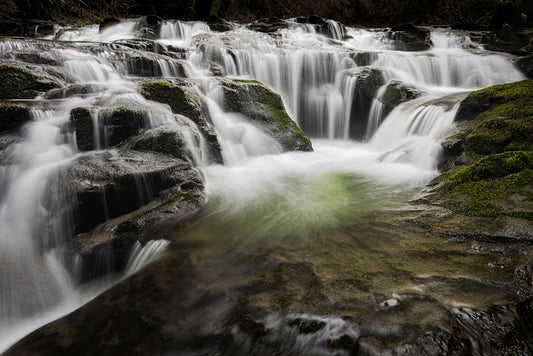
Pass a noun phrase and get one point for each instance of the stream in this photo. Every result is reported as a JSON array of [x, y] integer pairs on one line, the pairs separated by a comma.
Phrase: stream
[[318, 237]]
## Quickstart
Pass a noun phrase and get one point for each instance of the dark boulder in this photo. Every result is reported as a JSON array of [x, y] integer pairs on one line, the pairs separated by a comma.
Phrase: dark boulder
[[397, 92], [265, 108], [409, 37], [12, 116], [367, 83], [82, 120], [526, 66], [183, 101], [114, 126], [508, 41], [219, 25], [111, 184], [165, 140], [25, 82], [26, 28]]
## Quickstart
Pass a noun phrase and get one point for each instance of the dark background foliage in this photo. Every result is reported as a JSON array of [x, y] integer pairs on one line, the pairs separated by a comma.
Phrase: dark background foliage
[[489, 13]]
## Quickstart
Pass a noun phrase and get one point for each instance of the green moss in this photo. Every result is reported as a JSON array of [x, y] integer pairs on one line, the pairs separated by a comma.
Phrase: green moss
[[506, 122], [176, 97]]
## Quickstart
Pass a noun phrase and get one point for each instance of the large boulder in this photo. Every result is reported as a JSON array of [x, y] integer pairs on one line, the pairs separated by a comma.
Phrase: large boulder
[[367, 83], [485, 193], [115, 126], [165, 140], [110, 184], [12, 116], [25, 82], [397, 92], [182, 100], [265, 108], [409, 37]]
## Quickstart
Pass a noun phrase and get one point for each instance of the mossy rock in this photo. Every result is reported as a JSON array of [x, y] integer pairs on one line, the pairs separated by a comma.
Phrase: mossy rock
[[163, 140], [397, 92], [182, 101], [12, 116], [179, 99], [497, 139], [21, 83], [265, 107], [504, 114]]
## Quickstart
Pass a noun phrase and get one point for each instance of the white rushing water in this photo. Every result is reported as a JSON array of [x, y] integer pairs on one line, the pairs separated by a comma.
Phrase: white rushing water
[[319, 81]]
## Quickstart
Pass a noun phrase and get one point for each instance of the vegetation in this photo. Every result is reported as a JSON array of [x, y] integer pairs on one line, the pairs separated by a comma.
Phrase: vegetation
[[500, 181], [488, 13]]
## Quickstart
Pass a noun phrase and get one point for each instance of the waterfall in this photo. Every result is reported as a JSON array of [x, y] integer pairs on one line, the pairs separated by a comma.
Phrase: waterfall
[[319, 77]]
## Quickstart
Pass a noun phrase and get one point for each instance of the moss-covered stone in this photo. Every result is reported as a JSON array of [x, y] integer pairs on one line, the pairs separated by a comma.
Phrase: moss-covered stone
[[397, 92], [12, 116], [182, 101], [259, 103], [504, 114], [493, 158], [23, 84], [178, 98]]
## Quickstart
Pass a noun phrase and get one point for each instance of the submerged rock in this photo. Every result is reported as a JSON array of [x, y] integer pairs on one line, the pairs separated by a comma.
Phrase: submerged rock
[[265, 108]]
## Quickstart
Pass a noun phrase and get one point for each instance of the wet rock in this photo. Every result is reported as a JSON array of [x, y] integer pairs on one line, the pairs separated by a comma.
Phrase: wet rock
[[265, 108], [268, 25], [410, 37], [307, 326], [509, 41], [183, 101], [152, 65], [25, 82], [115, 126], [367, 83], [110, 184], [345, 343], [490, 158], [83, 128], [397, 92], [73, 90], [219, 25], [31, 56], [165, 140], [12, 116], [26, 28], [368, 80], [526, 66]]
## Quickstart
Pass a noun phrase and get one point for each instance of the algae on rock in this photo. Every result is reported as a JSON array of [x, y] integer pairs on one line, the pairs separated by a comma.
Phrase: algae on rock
[[265, 108]]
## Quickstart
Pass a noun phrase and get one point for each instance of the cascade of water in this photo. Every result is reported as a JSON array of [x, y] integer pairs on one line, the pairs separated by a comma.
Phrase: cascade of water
[[238, 138], [141, 255], [313, 74], [180, 30]]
